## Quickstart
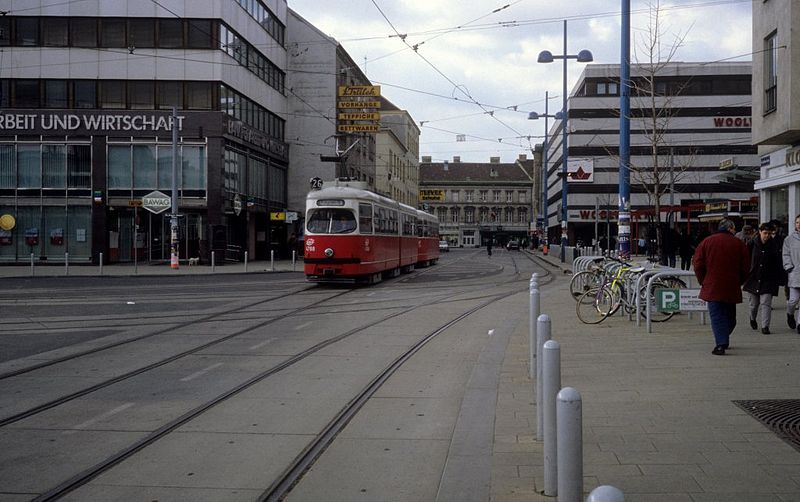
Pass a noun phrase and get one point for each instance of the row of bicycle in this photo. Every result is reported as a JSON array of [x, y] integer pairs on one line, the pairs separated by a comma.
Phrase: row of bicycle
[[606, 284]]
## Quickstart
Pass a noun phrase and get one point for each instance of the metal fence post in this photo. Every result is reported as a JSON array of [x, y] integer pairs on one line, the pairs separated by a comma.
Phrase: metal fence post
[[101, 263], [294, 259], [551, 376], [569, 445], [542, 335], [272, 260], [213, 263], [245, 261]]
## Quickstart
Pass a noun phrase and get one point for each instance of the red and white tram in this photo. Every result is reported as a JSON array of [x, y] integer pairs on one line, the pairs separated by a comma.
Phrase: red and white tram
[[353, 234]]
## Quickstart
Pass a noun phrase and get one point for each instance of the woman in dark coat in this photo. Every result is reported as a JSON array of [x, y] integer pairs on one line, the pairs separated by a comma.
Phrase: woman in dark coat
[[766, 274]]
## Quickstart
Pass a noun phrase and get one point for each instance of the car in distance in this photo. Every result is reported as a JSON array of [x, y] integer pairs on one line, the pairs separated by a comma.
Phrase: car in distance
[[444, 247], [512, 246]]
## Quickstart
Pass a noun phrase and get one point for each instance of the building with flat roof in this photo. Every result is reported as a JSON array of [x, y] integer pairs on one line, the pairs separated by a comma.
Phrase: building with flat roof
[[698, 149], [87, 91], [776, 108]]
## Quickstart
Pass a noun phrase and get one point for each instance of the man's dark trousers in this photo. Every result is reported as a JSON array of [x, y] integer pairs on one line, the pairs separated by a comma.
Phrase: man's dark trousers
[[723, 320]]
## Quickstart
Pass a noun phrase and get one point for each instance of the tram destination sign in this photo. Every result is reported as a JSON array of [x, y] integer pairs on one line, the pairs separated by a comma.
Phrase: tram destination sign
[[156, 202]]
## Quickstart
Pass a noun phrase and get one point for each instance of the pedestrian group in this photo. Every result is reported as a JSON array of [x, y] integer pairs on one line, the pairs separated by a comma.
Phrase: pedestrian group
[[758, 263]]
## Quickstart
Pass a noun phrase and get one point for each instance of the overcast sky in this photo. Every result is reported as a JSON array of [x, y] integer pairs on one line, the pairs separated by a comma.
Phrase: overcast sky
[[485, 51]]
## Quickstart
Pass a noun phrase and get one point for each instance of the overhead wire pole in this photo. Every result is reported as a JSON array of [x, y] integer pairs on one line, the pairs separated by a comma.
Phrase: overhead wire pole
[[173, 223], [624, 223]]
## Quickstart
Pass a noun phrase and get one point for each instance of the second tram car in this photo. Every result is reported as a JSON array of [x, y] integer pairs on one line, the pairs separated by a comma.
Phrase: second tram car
[[353, 234]]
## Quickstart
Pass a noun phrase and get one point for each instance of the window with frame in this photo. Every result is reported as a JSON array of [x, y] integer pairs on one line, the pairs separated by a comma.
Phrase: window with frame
[[170, 33], [522, 197], [55, 31], [83, 31], [497, 195], [141, 32], [771, 72], [27, 31], [509, 196], [112, 32], [469, 196]]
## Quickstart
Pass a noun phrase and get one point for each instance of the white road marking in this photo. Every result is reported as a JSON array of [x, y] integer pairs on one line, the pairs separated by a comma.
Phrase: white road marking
[[259, 345], [491, 332], [91, 421], [200, 373], [304, 325]]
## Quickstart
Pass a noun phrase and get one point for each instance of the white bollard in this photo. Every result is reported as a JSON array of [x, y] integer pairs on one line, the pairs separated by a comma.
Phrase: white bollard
[[245, 261], [551, 383], [569, 425], [534, 307], [606, 493], [272, 260], [66, 263], [534, 280], [213, 263], [101, 263], [542, 335], [32, 270], [294, 259]]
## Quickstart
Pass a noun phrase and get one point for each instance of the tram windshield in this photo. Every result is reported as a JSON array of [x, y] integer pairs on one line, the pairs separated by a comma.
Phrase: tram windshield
[[331, 221]]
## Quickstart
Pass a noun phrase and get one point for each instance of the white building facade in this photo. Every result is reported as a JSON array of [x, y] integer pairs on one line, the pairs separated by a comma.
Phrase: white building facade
[[776, 108], [704, 148]]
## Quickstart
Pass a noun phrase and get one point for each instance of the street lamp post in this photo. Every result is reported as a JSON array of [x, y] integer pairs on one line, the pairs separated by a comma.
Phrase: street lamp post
[[536, 116], [583, 56]]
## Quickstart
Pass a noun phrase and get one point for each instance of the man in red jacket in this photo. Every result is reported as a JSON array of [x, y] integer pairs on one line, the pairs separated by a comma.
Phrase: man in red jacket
[[721, 264]]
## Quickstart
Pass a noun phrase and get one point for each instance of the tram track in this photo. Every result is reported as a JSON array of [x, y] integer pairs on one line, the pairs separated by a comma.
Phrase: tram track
[[292, 474]]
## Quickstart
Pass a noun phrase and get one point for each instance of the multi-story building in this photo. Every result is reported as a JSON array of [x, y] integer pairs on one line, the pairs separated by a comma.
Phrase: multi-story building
[[776, 108], [318, 65], [397, 168], [701, 138], [86, 91], [475, 202]]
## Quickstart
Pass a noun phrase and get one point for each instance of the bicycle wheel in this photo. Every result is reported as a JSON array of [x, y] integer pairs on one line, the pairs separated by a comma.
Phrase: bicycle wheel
[[594, 305], [655, 314], [584, 281]]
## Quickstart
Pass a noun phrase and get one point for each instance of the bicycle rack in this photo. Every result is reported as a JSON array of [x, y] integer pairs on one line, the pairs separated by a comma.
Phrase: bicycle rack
[[663, 273]]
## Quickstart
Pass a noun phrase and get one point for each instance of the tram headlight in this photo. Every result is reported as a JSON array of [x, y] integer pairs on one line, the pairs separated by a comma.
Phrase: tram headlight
[[329, 252]]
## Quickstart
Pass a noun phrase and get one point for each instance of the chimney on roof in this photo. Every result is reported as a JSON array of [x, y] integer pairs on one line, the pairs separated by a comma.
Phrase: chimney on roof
[[446, 165], [494, 160], [523, 157], [426, 159], [456, 158]]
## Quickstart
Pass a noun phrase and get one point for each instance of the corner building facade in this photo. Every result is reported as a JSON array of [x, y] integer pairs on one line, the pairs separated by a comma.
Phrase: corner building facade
[[87, 91]]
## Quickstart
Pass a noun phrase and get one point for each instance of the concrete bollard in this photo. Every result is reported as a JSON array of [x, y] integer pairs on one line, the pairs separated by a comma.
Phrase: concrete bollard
[[101, 263], [294, 259], [32, 269], [245, 261], [551, 383], [533, 315], [213, 262], [272, 260], [606, 493], [542, 335], [569, 448], [66, 263], [535, 280]]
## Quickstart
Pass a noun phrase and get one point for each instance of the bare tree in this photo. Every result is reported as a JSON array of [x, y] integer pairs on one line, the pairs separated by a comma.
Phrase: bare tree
[[655, 102]]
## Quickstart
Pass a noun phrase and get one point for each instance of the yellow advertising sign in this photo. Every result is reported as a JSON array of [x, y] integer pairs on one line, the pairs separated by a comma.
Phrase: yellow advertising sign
[[431, 195], [279, 216], [360, 116], [358, 128], [359, 104], [356, 91]]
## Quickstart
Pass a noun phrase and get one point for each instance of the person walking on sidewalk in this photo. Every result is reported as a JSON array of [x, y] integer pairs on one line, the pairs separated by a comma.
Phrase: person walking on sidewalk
[[766, 272], [721, 263], [791, 258]]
